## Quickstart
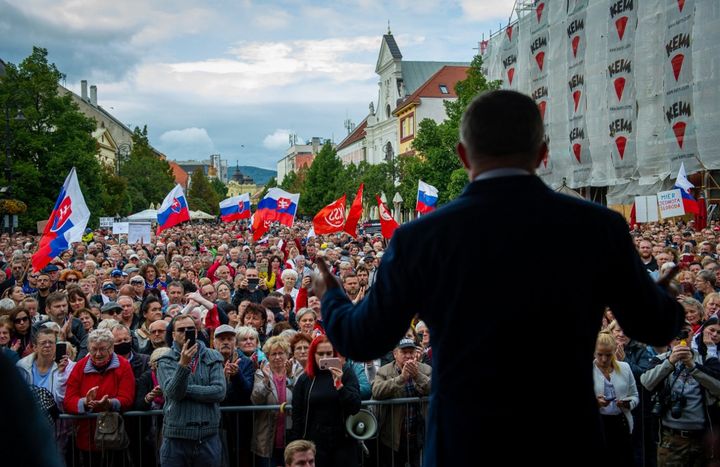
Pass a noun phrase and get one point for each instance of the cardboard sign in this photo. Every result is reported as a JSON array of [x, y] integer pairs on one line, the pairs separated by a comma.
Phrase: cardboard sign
[[139, 233], [120, 228], [646, 209], [670, 203], [106, 222]]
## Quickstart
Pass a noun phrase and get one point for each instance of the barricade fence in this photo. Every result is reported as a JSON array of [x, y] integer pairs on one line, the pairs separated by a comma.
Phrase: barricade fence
[[397, 439]]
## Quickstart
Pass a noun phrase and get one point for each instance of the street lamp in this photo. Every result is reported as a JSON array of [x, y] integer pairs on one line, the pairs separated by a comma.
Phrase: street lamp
[[19, 117], [6, 191]]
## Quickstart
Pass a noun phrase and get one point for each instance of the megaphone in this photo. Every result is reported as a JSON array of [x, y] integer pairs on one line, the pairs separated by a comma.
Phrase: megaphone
[[361, 426]]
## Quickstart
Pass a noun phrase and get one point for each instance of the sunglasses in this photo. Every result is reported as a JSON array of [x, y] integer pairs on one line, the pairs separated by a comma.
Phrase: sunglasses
[[112, 312], [190, 328], [21, 320]]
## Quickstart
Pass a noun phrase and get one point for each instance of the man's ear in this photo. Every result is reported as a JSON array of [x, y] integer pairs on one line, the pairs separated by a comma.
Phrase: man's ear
[[462, 154], [542, 154]]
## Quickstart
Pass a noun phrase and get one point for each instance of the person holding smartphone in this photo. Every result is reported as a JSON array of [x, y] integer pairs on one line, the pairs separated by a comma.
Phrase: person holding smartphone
[[192, 379], [617, 394], [49, 366], [252, 288], [323, 397]]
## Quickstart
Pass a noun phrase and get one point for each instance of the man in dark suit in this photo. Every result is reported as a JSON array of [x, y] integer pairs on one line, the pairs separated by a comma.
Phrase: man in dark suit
[[486, 329]]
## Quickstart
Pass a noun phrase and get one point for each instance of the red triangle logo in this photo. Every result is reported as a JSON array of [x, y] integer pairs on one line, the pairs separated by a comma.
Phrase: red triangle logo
[[575, 42], [540, 59], [541, 106], [576, 98], [620, 142], [620, 24], [679, 129], [509, 32], [677, 62], [619, 87], [576, 150], [539, 11], [511, 73], [681, 5]]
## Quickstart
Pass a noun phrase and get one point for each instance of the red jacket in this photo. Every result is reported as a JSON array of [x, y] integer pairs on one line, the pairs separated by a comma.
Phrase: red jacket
[[117, 382]]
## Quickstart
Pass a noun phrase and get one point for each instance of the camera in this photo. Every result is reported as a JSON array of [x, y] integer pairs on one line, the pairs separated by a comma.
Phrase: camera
[[677, 403], [657, 405]]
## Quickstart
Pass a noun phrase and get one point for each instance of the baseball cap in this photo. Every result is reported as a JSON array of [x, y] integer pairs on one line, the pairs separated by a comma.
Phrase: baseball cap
[[137, 280], [406, 344], [134, 256], [51, 268], [110, 306], [223, 329], [109, 287], [117, 273]]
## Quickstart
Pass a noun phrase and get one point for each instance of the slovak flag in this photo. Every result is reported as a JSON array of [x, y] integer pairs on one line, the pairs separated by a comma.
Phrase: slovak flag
[[173, 210], [277, 205], [66, 224], [235, 208], [689, 203], [427, 198]]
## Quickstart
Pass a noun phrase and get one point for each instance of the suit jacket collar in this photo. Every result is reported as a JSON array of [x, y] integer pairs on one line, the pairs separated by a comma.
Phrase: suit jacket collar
[[510, 183]]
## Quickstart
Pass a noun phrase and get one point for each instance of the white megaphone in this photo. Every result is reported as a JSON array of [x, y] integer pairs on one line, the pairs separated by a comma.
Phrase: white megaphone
[[361, 426]]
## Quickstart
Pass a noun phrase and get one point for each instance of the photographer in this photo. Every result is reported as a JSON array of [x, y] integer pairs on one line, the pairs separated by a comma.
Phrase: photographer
[[686, 383], [252, 288]]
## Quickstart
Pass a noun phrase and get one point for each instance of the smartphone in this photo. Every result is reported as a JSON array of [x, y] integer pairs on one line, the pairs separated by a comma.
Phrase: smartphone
[[190, 337], [332, 362], [60, 351]]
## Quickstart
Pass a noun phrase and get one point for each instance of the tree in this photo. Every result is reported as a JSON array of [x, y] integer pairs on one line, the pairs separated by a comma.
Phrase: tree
[[117, 198], [54, 137], [435, 143], [322, 185], [149, 177], [201, 194], [219, 188]]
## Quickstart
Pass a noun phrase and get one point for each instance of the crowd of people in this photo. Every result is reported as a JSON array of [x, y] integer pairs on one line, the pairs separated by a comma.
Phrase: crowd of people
[[204, 318]]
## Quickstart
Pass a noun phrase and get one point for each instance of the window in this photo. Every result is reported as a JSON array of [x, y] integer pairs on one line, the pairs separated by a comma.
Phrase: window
[[444, 89], [407, 126], [389, 153]]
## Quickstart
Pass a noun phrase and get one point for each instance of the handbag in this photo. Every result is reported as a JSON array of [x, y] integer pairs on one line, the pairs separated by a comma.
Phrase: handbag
[[110, 432]]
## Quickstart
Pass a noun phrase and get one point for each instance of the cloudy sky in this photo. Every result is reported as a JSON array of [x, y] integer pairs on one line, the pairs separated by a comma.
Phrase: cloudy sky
[[235, 77]]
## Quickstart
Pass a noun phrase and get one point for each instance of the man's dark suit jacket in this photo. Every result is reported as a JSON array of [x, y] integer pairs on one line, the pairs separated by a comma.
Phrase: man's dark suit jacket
[[512, 280]]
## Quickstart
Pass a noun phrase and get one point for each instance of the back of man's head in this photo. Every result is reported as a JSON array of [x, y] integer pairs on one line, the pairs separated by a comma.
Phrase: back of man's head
[[502, 123]]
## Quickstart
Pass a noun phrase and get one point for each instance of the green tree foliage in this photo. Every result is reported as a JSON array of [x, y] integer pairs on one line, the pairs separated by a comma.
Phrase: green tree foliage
[[201, 194], [458, 181], [116, 199], [53, 137], [436, 143], [149, 177], [323, 182], [219, 187], [294, 182]]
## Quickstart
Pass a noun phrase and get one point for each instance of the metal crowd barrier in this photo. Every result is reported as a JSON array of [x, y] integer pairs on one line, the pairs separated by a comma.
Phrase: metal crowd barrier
[[144, 429]]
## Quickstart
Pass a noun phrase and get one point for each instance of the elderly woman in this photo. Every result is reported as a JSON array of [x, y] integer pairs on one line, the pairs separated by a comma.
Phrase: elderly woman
[[711, 304], [40, 369], [299, 347], [70, 277], [306, 319], [289, 278], [100, 382], [694, 312], [272, 386], [255, 316], [248, 342], [87, 318]]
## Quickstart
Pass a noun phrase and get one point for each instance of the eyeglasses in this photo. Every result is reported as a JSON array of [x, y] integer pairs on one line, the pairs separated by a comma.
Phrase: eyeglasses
[[71, 279], [182, 330], [46, 344], [111, 312], [21, 320], [137, 282]]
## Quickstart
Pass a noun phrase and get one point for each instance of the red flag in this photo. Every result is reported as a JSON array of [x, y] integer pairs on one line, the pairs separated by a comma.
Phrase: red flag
[[701, 215], [331, 218], [260, 225], [387, 223], [355, 212]]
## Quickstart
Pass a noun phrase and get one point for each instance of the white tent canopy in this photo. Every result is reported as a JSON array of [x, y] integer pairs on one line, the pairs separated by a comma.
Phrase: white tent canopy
[[148, 215], [200, 216]]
